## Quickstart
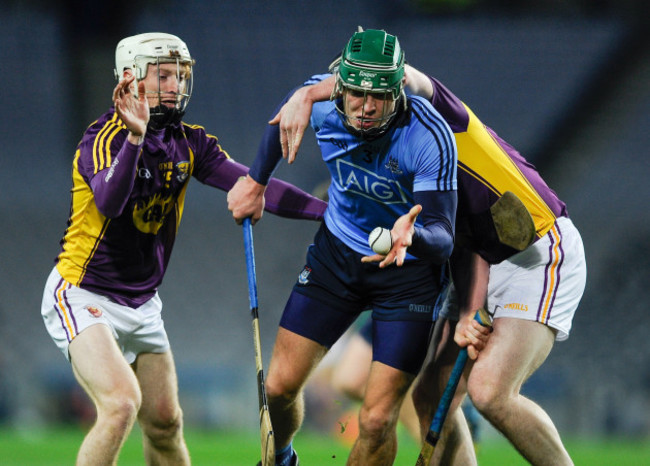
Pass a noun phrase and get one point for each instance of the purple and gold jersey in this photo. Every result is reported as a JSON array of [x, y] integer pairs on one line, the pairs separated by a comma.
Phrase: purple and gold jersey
[[125, 256], [127, 203], [488, 167]]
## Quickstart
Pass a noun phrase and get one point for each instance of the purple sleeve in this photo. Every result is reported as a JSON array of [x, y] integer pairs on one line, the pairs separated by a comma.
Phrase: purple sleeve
[[449, 106], [215, 168], [286, 200], [282, 199], [112, 187], [435, 240]]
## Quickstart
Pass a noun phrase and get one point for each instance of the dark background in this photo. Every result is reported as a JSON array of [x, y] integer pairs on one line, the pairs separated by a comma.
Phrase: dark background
[[567, 83]]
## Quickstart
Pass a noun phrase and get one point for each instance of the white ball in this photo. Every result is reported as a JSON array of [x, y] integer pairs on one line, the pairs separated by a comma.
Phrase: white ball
[[380, 240]]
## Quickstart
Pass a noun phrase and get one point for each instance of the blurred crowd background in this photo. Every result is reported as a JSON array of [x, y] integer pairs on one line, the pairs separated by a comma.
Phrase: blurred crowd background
[[566, 82]]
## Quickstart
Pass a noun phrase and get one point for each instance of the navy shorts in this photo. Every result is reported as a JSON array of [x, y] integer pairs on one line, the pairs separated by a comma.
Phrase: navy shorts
[[334, 287]]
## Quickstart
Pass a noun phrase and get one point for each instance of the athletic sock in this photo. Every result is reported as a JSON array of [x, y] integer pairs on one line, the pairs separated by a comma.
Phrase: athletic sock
[[283, 457]]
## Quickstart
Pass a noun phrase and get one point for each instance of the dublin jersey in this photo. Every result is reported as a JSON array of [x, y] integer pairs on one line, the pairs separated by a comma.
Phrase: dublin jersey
[[127, 202], [373, 181], [488, 167]]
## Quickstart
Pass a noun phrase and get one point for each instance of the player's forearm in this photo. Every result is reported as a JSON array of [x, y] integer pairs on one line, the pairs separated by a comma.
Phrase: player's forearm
[[286, 200], [435, 239], [269, 154], [418, 83], [434, 242], [112, 187], [281, 198], [319, 92], [471, 275]]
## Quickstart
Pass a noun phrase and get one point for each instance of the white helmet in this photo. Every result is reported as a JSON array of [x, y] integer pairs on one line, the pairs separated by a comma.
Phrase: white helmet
[[137, 52]]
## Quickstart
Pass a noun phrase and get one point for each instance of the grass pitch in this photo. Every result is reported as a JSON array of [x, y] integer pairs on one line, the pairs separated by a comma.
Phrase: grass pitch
[[58, 446]]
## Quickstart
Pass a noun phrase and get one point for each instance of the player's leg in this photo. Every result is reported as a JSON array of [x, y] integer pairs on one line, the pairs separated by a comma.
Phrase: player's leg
[[160, 416], [534, 296], [322, 306], [455, 443], [111, 384], [399, 347], [351, 373], [294, 358], [377, 441], [495, 382]]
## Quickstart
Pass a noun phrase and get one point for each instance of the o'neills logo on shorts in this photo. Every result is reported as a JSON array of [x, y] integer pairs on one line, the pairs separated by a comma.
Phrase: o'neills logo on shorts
[[94, 311], [303, 278], [517, 307], [423, 308]]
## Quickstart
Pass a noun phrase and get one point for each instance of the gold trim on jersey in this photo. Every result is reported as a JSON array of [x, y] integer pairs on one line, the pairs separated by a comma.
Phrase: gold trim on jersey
[[209, 136], [86, 227], [102, 146], [483, 158]]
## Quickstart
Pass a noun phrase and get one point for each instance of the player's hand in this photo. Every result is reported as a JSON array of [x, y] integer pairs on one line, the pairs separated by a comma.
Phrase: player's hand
[[402, 234], [246, 199], [132, 110], [293, 119], [471, 334]]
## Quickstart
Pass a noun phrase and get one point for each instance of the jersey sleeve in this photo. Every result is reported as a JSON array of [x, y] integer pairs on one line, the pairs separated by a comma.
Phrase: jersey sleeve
[[212, 165], [108, 162], [216, 168], [434, 150]]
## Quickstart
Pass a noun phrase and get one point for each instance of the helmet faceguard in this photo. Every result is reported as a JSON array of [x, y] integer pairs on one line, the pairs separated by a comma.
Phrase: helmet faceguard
[[155, 48], [371, 63]]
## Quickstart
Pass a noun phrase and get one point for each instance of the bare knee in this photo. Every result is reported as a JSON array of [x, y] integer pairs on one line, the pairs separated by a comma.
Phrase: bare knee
[[120, 408], [375, 426], [280, 391], [489, 398], [164, 428]]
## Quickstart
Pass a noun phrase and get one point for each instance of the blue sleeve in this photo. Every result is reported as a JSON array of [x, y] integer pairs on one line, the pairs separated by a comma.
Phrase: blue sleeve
[[435, 240], [269, 152]]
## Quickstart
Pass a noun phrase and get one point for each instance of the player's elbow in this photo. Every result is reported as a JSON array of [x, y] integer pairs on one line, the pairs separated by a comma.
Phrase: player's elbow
[[109, 210], [434, 243]]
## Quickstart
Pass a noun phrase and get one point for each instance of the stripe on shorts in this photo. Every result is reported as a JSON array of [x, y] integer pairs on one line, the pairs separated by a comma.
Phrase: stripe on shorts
[[64, 310], [551, 275]]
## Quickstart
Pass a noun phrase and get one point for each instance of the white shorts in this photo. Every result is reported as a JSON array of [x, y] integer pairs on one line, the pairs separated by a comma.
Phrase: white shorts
[[543, 283], [68, 310]]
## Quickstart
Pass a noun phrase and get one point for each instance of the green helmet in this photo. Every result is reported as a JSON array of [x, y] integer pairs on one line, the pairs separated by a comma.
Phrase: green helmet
[[372, 61]]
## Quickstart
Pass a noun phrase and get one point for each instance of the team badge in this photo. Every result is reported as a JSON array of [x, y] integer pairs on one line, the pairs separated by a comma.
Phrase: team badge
[[95, 312], [393, 166], [303, 278], [183, 169]]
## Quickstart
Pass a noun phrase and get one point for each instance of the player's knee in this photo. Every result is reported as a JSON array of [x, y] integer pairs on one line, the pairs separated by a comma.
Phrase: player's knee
[[164, 428], [488, 398], [375, 425], [278, 392], [120, 408]]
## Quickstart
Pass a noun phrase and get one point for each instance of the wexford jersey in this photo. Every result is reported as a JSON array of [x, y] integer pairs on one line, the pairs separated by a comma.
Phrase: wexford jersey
[[488, 167], [373, 181], [125, 257]]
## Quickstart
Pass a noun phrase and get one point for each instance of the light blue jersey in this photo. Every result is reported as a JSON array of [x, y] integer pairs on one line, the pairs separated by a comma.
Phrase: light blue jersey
[[373, 181]]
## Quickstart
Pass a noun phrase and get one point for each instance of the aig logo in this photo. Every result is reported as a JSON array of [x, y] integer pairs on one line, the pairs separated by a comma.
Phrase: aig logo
[[368, 184]]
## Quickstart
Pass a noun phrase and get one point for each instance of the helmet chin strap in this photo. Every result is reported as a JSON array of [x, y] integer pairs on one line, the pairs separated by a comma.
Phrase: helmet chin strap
[[163, 116]]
